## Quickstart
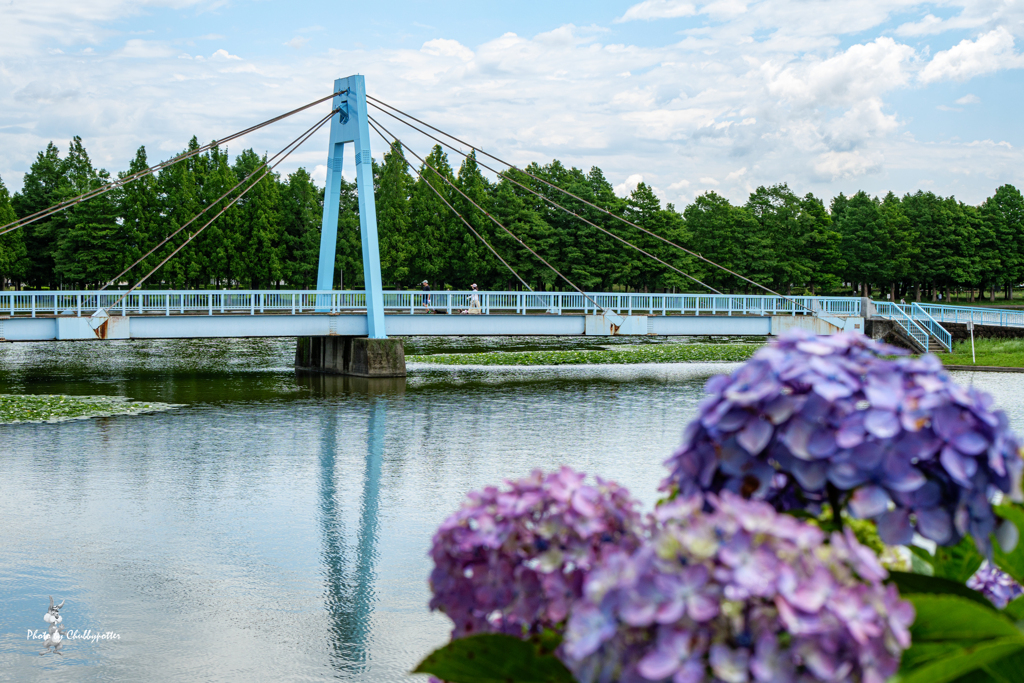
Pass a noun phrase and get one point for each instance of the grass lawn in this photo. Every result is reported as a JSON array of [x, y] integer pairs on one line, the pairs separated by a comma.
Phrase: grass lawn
[[1005, 352], [646, 353]]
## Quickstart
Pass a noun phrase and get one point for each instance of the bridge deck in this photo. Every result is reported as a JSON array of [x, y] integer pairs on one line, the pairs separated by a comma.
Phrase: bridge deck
[[148, 314], [311, 325]]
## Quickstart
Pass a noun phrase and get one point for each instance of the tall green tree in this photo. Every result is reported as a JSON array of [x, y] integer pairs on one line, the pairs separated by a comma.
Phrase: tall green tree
[[644, 273], [258, 228], [13, 261], [91, 243], [515, 212], [731, 237], [180, 200], [139, 210], [398, 248], [899, 248], [301, 214], [777, 210], [432, 220], [1003, 215], [41, 190], [469, 257], [862, 226], [822, 246]]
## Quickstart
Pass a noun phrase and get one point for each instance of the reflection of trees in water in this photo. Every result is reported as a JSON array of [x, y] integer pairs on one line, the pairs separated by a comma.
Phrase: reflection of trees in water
[[349, 578]]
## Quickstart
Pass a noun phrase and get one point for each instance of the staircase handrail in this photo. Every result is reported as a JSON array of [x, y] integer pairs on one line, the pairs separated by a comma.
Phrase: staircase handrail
[[940, 333], [887, 309]]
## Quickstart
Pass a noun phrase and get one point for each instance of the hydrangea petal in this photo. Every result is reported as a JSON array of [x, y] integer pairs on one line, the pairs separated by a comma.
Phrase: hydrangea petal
[[868, 502], [882, 423], [935, 524], [894, 527], [960, 467], [755, 436]]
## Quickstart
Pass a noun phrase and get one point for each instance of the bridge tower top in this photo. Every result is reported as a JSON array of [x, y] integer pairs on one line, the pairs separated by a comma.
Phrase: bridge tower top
[[349, 124]]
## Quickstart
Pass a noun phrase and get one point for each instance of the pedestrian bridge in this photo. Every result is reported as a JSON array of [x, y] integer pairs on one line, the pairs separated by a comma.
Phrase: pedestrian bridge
[[375, 314], [148, 314]]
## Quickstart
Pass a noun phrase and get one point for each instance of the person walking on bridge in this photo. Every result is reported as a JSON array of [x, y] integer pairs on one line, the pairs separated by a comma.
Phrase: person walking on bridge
[[474, 300], [426, 295]]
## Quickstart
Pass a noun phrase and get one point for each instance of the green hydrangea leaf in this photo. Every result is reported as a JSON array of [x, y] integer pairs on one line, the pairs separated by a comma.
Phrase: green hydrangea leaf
[[496, 658]]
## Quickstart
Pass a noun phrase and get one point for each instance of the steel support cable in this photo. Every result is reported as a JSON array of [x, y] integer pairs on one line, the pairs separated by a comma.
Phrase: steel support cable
[[295, 144], [446, 203], [494, 220], [212, 204], [562, 208], [379, 104], [120, 182]]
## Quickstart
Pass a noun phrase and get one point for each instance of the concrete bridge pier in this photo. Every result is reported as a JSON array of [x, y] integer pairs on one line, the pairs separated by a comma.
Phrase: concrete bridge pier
[[354, 356]]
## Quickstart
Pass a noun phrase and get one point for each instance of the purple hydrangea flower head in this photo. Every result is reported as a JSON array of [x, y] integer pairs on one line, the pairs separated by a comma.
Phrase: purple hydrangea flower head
[[740, 594], [995, 584], [810, 420], [513, 560]]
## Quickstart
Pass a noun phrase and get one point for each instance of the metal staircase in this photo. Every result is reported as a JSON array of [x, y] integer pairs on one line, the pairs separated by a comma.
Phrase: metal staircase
[[934, 329], [916, 324], [914, 332]]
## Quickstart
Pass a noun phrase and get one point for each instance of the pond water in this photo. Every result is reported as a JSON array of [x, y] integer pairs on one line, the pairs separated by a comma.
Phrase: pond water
[[275, 527]]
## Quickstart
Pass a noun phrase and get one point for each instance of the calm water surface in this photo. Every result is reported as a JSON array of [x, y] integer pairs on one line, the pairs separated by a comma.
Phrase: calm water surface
[[275, 527]]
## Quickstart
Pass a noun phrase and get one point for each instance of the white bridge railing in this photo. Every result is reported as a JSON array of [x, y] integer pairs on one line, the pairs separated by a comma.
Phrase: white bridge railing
[[254, 302]]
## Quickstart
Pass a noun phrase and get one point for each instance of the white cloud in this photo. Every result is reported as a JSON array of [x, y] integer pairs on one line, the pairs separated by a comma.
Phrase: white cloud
[[146, 49], [224, 54], [27, 25], [658, 9], [447, 48], [625, 188], [847, 78], [990, 52], [762, 87], [847, 165], [929, 25], [724, 9], [968, 99], [297, 42]]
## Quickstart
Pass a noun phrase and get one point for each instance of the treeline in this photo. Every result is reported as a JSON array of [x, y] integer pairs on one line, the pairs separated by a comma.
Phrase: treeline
[[913, 246]]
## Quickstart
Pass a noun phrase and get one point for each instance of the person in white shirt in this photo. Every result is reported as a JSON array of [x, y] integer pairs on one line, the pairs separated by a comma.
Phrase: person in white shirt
[[474, 301]]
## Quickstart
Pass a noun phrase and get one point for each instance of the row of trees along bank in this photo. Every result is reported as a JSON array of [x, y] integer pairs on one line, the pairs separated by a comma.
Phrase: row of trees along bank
[[913, 246]]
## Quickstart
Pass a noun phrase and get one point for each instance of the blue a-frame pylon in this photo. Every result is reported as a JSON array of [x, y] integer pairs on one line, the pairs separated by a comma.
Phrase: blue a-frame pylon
[[349, 124]]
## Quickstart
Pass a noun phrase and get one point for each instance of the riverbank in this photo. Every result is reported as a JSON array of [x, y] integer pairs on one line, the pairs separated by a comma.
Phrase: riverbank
[[1005, 353], [646, 353]]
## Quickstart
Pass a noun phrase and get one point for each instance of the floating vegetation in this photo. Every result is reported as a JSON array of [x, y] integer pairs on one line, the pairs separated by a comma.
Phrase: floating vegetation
[[15, 409], [648, 353]]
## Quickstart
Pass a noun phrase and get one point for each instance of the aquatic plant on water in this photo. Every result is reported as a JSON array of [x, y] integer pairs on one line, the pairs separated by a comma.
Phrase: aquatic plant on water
[[22, 408], [646, 353], [552, 578]]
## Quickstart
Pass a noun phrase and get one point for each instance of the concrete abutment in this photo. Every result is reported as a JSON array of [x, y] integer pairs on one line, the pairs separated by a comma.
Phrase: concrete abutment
[[354, 356]]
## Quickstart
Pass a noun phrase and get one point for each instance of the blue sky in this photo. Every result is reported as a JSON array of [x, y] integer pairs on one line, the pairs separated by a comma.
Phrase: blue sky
[[688, 96]]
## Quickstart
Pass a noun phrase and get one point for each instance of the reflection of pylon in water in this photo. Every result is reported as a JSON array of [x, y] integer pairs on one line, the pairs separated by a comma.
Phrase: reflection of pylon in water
[[55, 636], [349, 575]]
